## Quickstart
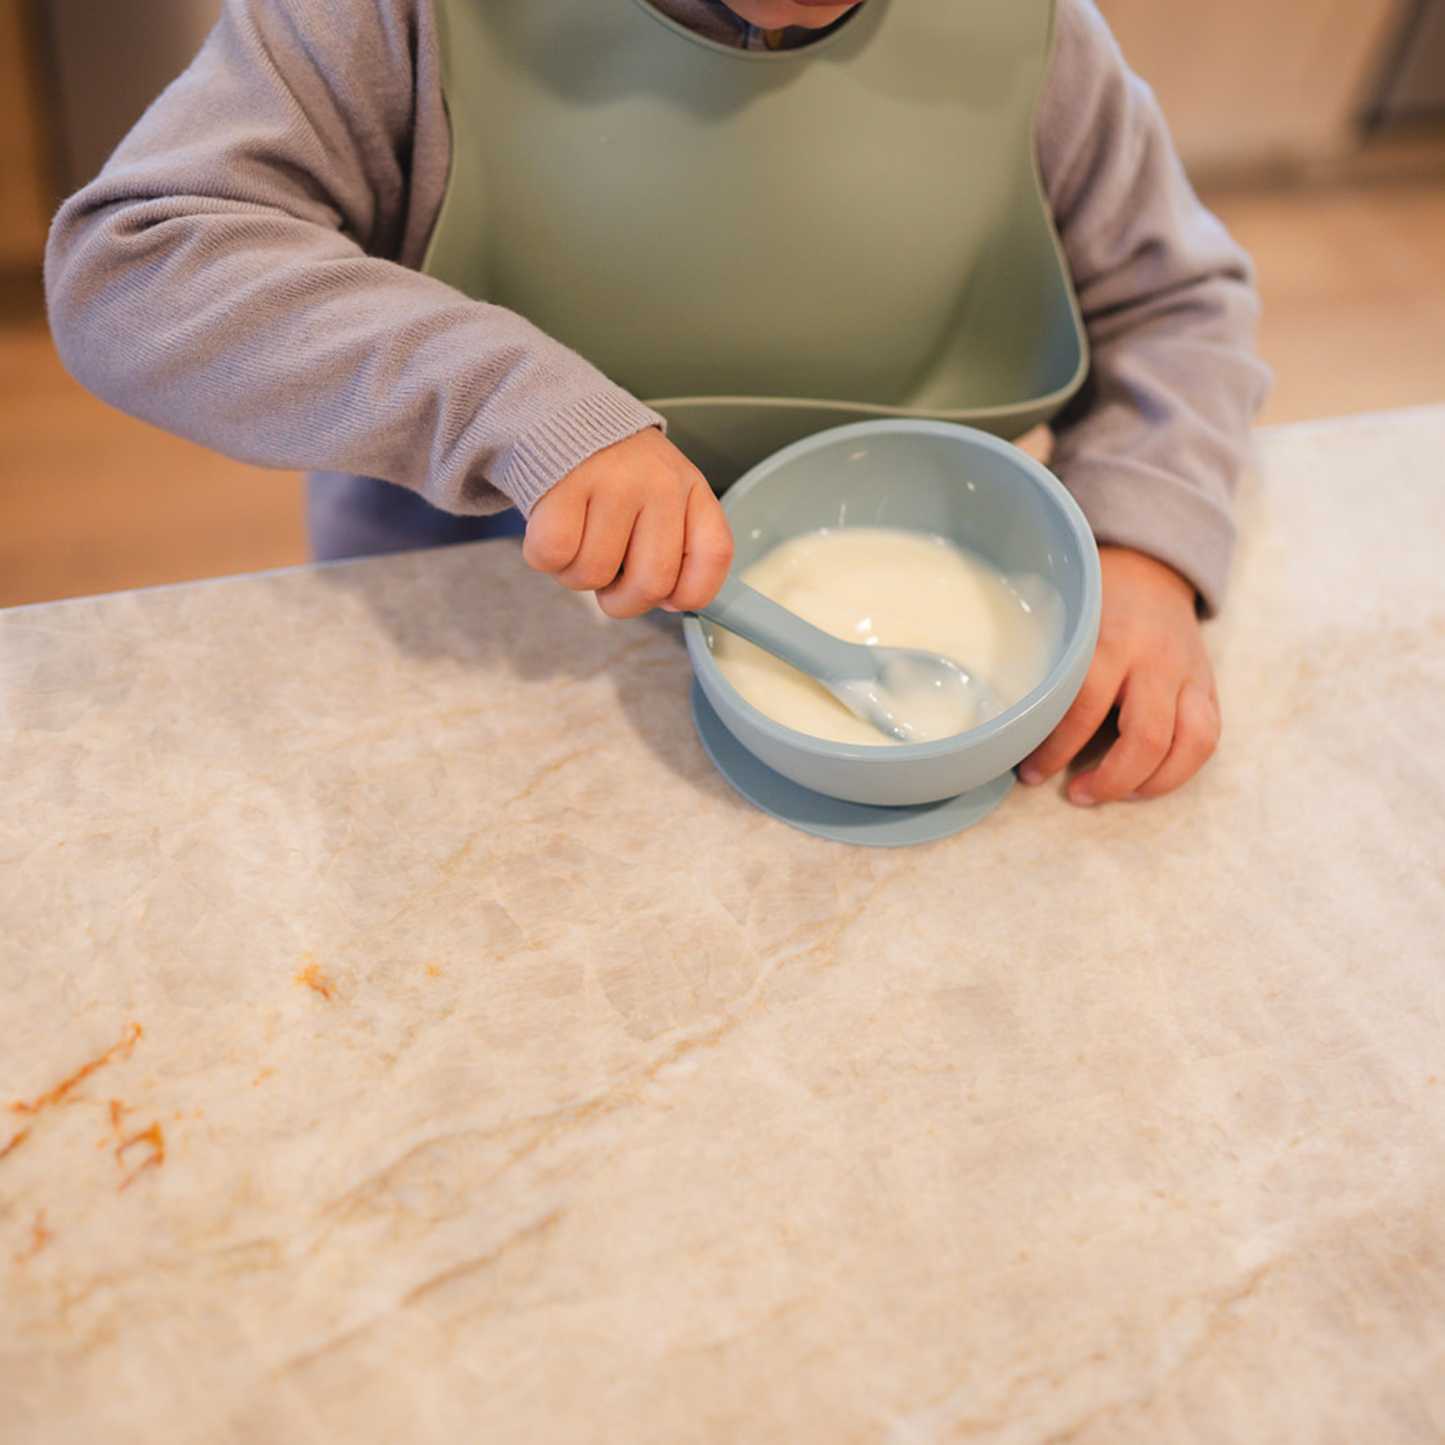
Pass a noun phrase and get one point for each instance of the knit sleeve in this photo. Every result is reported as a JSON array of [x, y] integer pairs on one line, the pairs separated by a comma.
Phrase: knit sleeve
[[243, 272], [1154, 442]]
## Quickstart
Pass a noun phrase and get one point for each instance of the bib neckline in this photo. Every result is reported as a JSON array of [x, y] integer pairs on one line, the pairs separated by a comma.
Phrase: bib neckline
[[825, 38]]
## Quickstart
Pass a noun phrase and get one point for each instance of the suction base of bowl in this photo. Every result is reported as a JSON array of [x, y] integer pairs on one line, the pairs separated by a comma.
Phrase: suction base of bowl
[[834, 818]]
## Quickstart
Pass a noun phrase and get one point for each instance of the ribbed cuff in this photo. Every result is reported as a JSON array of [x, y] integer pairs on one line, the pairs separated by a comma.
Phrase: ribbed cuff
[[560, 442], [1130, 504]]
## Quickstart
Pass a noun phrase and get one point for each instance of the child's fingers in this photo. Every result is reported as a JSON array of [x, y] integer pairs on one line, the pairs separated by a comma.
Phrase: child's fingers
[[677, 557], [618, 525], [1086, 715], [1146, 732], [579, 534], [650, 563], [707, 552], [554, 532], [1165, 737], [1197, 728]]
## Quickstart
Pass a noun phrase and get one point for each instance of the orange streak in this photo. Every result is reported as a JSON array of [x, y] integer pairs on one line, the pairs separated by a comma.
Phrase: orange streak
[[313, 977], [15, 1143], [153, 1160], [68, 1086], [152, 1136], [39, 1236]]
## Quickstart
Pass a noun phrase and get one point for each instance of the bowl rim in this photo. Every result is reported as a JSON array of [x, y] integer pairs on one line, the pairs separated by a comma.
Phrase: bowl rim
[[878, 754]]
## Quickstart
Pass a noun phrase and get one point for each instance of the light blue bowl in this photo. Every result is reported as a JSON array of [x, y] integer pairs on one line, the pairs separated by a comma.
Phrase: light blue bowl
[[925, 476]]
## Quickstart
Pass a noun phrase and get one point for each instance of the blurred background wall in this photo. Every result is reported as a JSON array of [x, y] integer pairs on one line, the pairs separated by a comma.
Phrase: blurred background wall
[[1245, 86], [1293, 84], [102, 63], [24, 184]]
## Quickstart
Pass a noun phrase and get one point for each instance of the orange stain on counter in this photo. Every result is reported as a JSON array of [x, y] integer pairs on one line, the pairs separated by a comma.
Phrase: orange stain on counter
[[313, 976], [39, 1238], [66, 1087], [151, 1138], [122, 1050]]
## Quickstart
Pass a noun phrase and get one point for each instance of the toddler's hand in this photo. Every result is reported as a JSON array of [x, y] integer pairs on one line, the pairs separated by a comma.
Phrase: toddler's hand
[[1151, 664], [637, 524]]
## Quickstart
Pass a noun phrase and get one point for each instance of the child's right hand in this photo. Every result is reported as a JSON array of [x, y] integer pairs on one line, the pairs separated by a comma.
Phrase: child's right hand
[[637, 524]]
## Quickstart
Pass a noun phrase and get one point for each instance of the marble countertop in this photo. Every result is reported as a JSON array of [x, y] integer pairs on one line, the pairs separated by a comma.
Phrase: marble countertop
[[405, 1034]]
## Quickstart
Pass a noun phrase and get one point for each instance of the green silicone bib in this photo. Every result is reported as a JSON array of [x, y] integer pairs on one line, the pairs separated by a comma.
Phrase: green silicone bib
[[765, 243]]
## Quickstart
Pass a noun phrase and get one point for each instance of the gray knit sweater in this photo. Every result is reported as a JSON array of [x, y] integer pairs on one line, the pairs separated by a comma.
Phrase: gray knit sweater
[[244, 272]]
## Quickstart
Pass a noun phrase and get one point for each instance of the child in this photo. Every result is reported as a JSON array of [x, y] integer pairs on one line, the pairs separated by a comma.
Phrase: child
[[247, 271]]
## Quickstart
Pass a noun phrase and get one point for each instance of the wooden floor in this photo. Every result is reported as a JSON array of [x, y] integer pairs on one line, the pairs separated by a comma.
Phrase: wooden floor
[[1352, 275]]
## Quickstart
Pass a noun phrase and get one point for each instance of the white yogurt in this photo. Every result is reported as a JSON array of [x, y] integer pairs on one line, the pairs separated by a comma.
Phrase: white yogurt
[[881, 586]]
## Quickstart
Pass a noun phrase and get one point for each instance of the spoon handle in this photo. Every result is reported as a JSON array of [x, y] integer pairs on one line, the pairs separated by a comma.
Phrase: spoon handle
[[758, 619]]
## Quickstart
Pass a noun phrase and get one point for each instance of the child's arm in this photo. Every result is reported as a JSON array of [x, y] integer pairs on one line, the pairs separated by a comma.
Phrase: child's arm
[[1153, 443], [244, 273], [1150, 665]]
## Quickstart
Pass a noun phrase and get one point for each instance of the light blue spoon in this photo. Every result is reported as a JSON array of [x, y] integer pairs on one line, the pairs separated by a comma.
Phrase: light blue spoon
[[876, 684]]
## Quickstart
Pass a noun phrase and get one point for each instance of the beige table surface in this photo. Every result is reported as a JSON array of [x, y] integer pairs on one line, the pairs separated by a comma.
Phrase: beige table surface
[[406, 1035]]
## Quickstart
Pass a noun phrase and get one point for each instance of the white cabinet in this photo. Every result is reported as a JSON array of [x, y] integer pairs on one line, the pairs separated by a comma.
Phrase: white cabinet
[[1248, 85]]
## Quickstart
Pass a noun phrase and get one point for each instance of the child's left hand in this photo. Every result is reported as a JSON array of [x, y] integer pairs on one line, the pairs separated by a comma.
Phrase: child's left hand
[[1151, 665]]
